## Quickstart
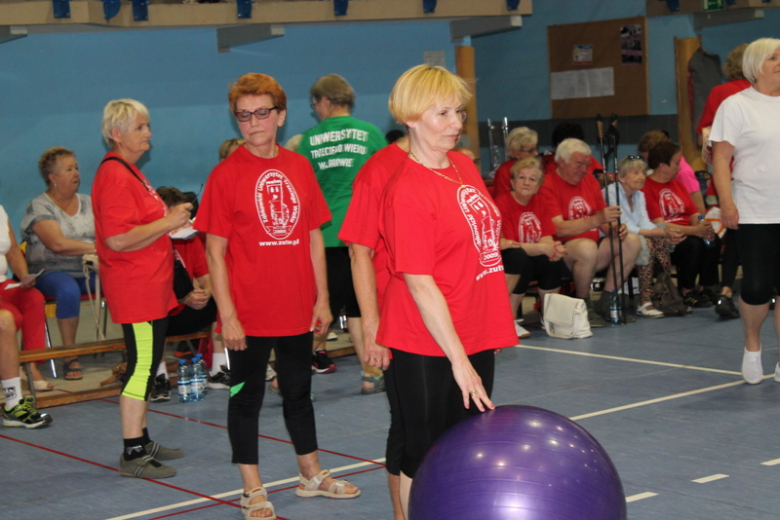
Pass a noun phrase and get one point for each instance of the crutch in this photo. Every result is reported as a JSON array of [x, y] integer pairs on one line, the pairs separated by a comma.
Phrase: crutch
[[605, 185], [614, 137]]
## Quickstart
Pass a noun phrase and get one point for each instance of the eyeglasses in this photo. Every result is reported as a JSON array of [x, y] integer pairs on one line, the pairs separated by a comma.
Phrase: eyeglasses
[[312, 106], [261, 113], [634, 158]]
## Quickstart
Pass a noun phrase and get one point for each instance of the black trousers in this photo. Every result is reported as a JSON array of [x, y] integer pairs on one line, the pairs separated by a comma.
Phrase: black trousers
[[759, 251], [693, 259]]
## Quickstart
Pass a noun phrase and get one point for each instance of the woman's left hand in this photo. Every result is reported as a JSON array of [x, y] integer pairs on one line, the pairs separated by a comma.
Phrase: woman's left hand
[[471, 386], [321, 318]]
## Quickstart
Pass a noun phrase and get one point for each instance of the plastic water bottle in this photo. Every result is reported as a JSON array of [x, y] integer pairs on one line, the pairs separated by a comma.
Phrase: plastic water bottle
[[198, 382], [707, 243], [200, 372], [614, 312], [184, 382]]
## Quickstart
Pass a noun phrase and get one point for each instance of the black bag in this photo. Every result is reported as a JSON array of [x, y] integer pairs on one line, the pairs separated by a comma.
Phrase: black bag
[[666, 298], [182, 283]]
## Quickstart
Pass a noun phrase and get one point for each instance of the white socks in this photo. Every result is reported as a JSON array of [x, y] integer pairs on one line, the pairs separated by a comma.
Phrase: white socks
[[13, 391], [161, 369], [217, 360]]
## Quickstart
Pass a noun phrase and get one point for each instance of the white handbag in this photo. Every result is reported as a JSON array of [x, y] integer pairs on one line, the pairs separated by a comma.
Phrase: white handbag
[[566, 317]]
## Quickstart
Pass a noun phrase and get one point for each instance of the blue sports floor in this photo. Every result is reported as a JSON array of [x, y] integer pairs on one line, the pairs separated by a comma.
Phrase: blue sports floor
[[664, 397]]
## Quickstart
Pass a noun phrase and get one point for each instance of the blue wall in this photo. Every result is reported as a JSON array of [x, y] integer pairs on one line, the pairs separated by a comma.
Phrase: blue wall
[[54, 88]]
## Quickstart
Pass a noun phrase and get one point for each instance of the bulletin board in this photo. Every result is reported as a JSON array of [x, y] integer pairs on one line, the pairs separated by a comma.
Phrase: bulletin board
[[599, 68]]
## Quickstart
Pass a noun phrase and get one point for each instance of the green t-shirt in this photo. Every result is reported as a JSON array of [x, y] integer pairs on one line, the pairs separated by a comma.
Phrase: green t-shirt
[[337, 148]]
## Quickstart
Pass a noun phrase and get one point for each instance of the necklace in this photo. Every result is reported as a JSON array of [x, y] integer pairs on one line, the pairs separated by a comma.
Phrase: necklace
[[459, 181]]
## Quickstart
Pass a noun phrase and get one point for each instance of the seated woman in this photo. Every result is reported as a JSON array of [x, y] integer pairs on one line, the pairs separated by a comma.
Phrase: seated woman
[[520, 144], [669, 202], [59, 229], [20, 299], [529, 250], [655, 238]]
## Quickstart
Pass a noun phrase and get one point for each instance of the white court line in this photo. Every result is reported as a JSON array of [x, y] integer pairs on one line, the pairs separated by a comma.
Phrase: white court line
[[640, 496], [774, 462], [237, 492], [704, 480], [618, 358]]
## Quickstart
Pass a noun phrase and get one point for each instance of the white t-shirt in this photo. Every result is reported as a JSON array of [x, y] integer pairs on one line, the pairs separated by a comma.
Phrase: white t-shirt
[[750, 121], [5, 244]]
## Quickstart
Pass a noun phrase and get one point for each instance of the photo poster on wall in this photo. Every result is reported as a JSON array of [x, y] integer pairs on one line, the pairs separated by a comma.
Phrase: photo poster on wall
[[599, 68]]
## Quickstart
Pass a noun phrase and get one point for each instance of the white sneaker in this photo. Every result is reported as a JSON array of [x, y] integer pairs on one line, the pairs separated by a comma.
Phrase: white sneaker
[[752, 370], [647, 310], [332, 336], [270, 373], [521, 332], [777, 372]]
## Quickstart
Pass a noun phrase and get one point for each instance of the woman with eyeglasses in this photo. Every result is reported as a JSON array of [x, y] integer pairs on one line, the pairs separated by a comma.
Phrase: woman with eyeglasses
[[132, 226], [521, 143], [262, 210], [446, 307]]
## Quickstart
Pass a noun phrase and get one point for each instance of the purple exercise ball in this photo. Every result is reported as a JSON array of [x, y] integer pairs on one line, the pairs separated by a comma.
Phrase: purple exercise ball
[[519, 463]]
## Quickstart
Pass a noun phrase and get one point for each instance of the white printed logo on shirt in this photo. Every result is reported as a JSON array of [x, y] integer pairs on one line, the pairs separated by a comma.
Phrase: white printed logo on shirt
[[578, 208], [530, 229], [278, 205], [671, 205], [485, 223]]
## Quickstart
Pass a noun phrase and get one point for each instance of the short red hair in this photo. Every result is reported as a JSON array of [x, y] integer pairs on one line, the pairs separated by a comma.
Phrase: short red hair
[[255, 84]]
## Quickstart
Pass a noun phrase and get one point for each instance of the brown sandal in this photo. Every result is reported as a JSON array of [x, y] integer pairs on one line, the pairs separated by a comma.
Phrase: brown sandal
[[72, 373]]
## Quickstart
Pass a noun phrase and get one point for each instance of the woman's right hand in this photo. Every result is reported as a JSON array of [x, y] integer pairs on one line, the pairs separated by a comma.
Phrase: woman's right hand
[[729, 214], [233, 334], [674, 235], [179, 215], [471, 386]]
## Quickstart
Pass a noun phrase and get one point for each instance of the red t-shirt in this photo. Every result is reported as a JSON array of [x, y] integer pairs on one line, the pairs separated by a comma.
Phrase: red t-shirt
[[138, 284], [361, 225], [436, 227], [524, 224], [193, 255], [670, 201], [266, 208], [502, 180], [572, 202], [718, 94]]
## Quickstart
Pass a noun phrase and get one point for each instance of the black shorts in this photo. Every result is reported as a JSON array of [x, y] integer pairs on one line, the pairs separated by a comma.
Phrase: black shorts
[[342, 291], [530, 268]]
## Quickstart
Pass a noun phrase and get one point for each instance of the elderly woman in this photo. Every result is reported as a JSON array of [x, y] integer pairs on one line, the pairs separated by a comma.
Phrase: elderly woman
[[668, 202], [59, 229], [655, 238], [262, 210], [446, 288], [529, 250], [132, 226], [746, 129], [520, 144], [25, 305]]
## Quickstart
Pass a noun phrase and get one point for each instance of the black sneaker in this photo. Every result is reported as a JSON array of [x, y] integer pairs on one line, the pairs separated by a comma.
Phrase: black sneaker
[[321, 363], [725, 308], [162, 389], [25, 415], [695, 299], [220, 380]]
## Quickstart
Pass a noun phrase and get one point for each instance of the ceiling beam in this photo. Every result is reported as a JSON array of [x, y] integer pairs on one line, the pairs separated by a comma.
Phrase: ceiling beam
[[702, 20], [228, 37], [9, 33], [482, 26]]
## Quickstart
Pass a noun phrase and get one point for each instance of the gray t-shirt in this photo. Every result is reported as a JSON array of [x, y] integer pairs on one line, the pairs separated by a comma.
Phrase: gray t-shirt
[[80, 226]]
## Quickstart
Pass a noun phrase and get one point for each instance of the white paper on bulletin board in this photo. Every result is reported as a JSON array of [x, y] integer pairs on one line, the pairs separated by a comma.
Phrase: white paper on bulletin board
[[587, 83]]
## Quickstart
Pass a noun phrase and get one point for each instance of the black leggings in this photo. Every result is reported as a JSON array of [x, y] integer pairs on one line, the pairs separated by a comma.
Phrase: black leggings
[[247, 388], [394, 450], [759, 251], [145, 344], [693, 259], [730, 259], [530, 268], [430, 399]]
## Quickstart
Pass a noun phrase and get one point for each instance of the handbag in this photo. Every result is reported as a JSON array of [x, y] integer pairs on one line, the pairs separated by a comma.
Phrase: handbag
[[566, 317], [665, 296]]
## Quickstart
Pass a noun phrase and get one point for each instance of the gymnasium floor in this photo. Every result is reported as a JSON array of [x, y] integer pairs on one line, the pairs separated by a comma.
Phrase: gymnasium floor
[[664, 397]]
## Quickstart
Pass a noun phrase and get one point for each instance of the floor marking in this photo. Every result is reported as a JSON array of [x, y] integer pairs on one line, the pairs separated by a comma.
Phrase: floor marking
[[236, 492], [774, 462], [640, 496], [657, 400], [633, 360], [704, 480]]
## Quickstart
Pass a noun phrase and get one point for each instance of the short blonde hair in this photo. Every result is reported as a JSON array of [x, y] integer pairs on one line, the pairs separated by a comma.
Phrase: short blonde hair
[[48, 161], [570, 146], [628, 163], [121, 113], [229, 147], [294, 142], [423, 87], [335, 88], [755, 55], [733, 66], [529, 163], [519, 138]]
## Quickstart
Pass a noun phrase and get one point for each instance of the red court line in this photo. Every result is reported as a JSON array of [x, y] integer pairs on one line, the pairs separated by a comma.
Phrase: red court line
[[206, 423], [74, 457], [169, 515]]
